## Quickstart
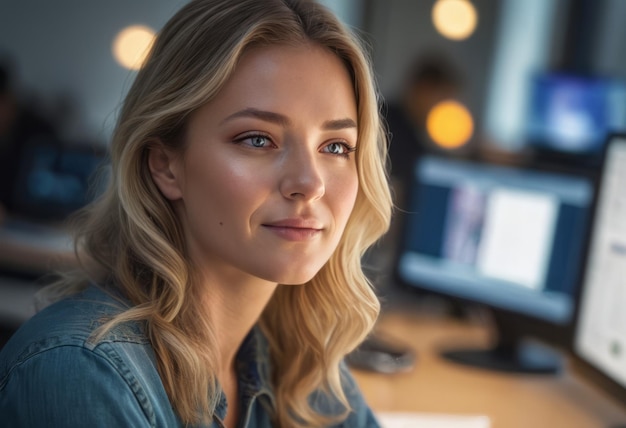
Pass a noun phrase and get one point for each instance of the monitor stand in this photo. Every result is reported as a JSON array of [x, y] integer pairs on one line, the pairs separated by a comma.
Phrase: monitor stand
[[511, 353]]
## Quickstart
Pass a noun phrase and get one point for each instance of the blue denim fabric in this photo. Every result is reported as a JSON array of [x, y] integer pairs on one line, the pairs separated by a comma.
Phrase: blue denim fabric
[[52, 375]]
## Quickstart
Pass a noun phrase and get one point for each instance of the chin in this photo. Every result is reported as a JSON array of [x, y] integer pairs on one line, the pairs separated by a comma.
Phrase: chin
[[290, 270], [296, 277], [296, 280]]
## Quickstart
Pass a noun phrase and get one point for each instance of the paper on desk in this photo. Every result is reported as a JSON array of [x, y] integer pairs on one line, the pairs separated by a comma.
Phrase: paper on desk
[[428, 420]]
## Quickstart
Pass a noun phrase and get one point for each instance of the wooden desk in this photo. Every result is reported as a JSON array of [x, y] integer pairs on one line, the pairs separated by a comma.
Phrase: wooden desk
[[511, 401]]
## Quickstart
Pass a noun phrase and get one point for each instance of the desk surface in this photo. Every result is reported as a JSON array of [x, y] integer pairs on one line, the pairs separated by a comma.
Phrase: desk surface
[[511, 401]]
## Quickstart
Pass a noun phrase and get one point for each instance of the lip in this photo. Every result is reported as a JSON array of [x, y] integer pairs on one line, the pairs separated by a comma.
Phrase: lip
[[295, 229], [297, 223]]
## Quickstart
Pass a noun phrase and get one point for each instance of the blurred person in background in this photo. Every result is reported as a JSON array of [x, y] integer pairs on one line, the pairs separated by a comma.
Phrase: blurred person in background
[[430, 79]]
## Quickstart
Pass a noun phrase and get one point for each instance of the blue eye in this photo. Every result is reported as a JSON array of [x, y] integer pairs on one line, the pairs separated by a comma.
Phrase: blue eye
[[255, 140], [259, 141], [338, 149]]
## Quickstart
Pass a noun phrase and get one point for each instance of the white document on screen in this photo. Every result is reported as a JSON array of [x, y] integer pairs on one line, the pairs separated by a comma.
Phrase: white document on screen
[[601, 333], [517, 236]]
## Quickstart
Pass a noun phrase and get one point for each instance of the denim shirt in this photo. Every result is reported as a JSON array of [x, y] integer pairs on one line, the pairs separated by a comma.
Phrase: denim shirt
[[53, 375]]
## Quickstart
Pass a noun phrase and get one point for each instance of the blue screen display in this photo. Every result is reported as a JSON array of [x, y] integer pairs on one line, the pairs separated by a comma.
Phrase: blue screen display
[[573, 114], [55, 180]]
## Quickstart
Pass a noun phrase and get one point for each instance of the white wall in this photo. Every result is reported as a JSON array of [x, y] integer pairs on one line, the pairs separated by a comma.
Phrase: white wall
[[521, 51], [349, 11], [62, 53]]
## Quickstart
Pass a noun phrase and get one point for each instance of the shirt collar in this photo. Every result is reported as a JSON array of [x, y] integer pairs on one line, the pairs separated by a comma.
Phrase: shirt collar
[[253, 365]]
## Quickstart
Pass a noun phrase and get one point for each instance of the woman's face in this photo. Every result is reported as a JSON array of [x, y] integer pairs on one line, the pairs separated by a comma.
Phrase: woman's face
[[268, 178]]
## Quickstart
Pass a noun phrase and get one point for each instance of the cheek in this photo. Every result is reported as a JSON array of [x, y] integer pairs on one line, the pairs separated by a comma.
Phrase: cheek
[[219, 191], [212, 172], [345, 197]]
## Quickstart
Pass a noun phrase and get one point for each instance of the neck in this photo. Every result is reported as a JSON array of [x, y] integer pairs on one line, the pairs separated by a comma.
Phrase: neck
[[234, 306]]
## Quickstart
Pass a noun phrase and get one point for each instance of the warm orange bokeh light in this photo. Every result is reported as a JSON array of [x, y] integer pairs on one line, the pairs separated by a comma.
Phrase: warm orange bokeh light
[[449, 124], [455, 19], [132, 45]]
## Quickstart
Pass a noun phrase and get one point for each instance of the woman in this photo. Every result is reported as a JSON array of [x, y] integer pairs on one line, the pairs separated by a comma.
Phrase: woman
[[221, 282]]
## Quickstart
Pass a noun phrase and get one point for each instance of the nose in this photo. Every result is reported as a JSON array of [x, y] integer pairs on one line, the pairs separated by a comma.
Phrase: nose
[[302, 177]]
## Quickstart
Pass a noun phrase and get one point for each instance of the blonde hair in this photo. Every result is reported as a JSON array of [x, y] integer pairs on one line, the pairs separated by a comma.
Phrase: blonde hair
[[131, 238]]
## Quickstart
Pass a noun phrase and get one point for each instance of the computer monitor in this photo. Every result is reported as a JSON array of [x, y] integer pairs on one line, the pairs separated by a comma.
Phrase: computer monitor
[[569, 115], [600, 334], [55, 179], [507, 238]]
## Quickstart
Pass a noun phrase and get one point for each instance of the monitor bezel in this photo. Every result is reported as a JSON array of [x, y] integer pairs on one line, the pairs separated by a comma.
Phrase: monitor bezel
[[506, 320], [582, 366]]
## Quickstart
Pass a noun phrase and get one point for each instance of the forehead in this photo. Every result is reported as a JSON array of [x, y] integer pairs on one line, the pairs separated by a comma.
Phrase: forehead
[[305, 73]]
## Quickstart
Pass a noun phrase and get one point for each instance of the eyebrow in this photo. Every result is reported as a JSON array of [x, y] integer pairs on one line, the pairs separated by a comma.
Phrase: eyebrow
[[338, 124], [280, 119], [267, 116]]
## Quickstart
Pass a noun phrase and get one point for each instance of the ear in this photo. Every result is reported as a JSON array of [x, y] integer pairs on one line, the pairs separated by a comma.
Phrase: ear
[[164, 168]]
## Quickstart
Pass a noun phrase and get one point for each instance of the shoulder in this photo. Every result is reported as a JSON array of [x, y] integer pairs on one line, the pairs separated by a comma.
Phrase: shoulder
[[70, 386], [113, 381], [69, 322]]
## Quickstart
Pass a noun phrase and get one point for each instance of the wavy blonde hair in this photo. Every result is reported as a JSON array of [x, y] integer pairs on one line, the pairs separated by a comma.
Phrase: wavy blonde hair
[[131, 238]]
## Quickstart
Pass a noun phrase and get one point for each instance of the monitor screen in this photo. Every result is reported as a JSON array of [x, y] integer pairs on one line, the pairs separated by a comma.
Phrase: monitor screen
[[572, 114], [505, 237], [600, 336], [55, 180]]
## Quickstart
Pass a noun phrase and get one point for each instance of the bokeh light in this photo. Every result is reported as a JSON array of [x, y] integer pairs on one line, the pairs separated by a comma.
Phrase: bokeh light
[[455, 19], [449, 124], [132, 45]]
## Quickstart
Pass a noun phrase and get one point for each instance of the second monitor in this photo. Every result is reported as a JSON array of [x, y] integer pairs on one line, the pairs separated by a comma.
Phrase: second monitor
[[508, 238]]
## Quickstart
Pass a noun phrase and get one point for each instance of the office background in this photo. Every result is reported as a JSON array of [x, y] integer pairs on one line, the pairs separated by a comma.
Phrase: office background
[[61, 52], [62, 64]]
